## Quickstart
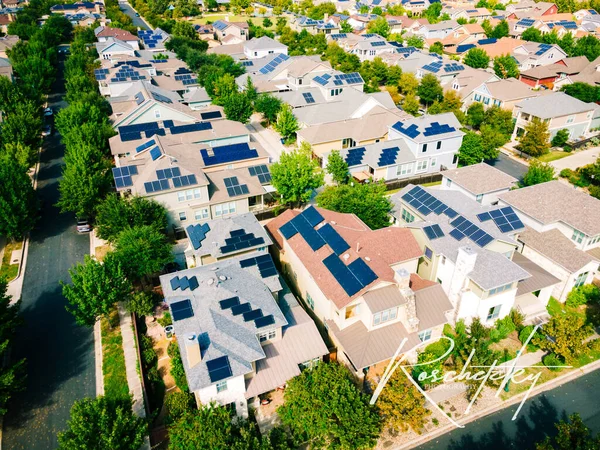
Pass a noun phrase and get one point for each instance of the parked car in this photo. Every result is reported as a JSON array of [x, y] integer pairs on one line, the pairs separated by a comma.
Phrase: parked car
[[83, 226], [47, 130], [137, 14], [48, 112]]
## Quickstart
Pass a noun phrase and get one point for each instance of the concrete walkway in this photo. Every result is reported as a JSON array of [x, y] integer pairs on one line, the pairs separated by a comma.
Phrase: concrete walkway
[[266, 137], [577, 159]]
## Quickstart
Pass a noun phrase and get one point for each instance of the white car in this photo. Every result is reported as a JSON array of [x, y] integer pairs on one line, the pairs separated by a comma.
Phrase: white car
[[47, 130], [48, 112]]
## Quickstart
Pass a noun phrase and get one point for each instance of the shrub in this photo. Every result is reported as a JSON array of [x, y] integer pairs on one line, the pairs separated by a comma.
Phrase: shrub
[[165, 320], [505, 326], [588, 293], [525, 332], [552, 360], [517, 318], [495, 335], [177, 370], [595, 191], [177, 404], [560, 138], [566, 173], [568, 149]]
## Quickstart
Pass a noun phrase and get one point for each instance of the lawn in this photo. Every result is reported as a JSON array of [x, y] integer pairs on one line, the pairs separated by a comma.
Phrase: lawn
[[555, 308], [8, 270], [113, 357], [214, 17], [553, 156]]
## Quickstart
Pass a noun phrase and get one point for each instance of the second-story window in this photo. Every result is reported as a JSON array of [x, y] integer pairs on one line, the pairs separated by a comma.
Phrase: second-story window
[[422, 165], [439, 145], [479, 198], [407, 216], [348, 142], [385, 316], [424, 148], [499, 289], [571, 119], [267, 336], [577, 236], [221, 386], [580, 280], [428, 253], [425, 335]]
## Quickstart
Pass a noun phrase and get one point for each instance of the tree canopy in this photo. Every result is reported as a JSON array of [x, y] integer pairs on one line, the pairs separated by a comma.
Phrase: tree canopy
[[18, 201], [572, 434], [286, 124], [538, 172], [477, 58], [564, 336], [429, 89], [337, 167], [536, 140], [506, 67]]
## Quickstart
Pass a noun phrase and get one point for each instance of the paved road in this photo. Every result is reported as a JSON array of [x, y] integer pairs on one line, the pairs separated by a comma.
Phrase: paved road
[[509, 166], [60, 355], [499, 432], [137, 21]]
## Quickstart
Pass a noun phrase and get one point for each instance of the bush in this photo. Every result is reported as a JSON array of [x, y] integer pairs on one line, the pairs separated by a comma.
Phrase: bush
[[552, 360], [560, 138], [166, 320], [177, 370], [177, 404], [566, 173], [149, 357], [495, 335], [525, 332], [517, 318], [595, 191], [505, 327], [588, 293]]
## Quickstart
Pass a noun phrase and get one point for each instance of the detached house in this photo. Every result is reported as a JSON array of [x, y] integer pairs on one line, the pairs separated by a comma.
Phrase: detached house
[[533, 55], [360, 283], [504, 93], [104, 33], [231, 32], [480, 182], [562, 234], [263, 46]]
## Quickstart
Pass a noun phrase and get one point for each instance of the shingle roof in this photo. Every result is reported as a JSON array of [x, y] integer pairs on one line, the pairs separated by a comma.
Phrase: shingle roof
[[557, 104], [557, 202], [539, 279], [480, 178]]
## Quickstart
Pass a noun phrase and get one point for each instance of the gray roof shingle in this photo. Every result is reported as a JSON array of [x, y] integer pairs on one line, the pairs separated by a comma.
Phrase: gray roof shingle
[[480, 178]]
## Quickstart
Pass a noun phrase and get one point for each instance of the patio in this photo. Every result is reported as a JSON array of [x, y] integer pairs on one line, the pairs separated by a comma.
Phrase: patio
[[266, 415]]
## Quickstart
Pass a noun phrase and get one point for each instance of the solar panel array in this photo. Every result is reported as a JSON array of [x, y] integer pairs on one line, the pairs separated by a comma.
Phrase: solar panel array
[[199, 126], [234, 188], [505, 219], [465, 228], [487, 41], [139, 98], [138, 127], [543, 49], [160, 98], [219, 369], [453, 67], [127, 73], [149, 38], [433, 232], [335, 37], [186, 76], [159, 132], [141, 148], [355, 156], [567, 24], [262, 172], [435, 128], [352, 277], [526, 22], [247, 63], [184, 180], [388, 156], [168, 173], [155, 153], [434, 67], [463, 48], [211, 115], [228, 153], [332, 238], [182, 310], [122, 175], [158, 61], [101, 74], [184, 283], [197, 233], [156, 186], [220, 25], [265, 265], [348, 78], [308, 97], [229, 303], [274, 63], [240, 240], [412, 131], [378, 44], [322, 79]]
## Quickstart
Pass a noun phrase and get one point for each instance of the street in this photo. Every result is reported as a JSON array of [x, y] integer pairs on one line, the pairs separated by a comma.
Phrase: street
[[60, 354], [509, 166], [137, 21], [537, 418]]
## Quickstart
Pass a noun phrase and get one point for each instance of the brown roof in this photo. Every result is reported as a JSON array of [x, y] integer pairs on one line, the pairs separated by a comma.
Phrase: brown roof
[[539, 279], [116, 33], [503, 46], [380, 249]]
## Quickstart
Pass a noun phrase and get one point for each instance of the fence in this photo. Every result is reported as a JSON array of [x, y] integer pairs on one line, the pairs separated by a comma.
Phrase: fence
[[423, 179], [582, 143]]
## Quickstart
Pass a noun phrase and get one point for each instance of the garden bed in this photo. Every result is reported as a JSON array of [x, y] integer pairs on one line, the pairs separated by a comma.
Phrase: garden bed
[[8, 270], [113, 357]]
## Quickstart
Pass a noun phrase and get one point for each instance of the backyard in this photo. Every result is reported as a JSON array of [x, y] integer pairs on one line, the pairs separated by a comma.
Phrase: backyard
[[232, 18]]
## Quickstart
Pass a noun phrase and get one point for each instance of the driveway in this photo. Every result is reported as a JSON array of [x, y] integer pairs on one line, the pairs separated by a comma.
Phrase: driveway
[[137, 21], [577, 159], [267, 138], [60, 354], [508, 165]]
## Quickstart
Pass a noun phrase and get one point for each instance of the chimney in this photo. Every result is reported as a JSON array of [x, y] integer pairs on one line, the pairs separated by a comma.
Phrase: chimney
[[402, 277], [325, 17], [411, 310], [192, 349]]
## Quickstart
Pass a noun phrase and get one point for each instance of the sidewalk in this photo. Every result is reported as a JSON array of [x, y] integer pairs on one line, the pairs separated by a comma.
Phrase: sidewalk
[[265, 137]]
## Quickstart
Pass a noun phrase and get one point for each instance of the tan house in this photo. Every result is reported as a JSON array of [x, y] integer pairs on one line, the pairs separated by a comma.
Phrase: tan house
[[503, 93], [231, 32]]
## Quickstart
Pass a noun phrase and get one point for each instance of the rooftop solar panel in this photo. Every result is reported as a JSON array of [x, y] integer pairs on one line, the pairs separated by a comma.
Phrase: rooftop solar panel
[[342, 274], [264, 321], [229, 302], [182, 310], [333, 239], [312, 216], [251, 315], [218, 369], [241, 309]]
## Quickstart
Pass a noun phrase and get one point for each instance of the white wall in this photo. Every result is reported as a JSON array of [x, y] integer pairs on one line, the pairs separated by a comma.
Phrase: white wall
[[487, 199], [236, 389]]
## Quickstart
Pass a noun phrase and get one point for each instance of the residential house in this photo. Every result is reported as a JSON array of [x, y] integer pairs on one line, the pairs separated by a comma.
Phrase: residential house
[[359, 22], [112, 47], [263, 46], [206, 32], [154, 40], [469, 249], [562, 234], [505, 93], [360, 283], [5, 21], [104, 33], [415, 6], [547, 76], [6, 44], [558, 110], [436, 30], [589, 74], [240, 332], [480, 182], [463, 35], [6, 69], [312, 26], [500, 47], [534, 54], [78, 8], [231, 32], [530, 8], [416, 146], [466, 81]]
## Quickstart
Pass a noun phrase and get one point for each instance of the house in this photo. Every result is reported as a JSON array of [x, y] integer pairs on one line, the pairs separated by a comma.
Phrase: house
[[154, 40], [500, 47], [6, 69], [78, 8], [469, 249], [562, 234], [197, 99], [104, 33], [370, 128], [370, 47], [263, 46], [463, 35], [359, 22], [480, 182], [240, 332], [589, 74], [205, 32], [6, 44], [360, 283], [436, 30], [312, 26], [467, 80], [530, 8], [558, 110], [231, 32], [5, 21], [111, 47], [547, 76], [505, 93], [534, 54], [417, 146]]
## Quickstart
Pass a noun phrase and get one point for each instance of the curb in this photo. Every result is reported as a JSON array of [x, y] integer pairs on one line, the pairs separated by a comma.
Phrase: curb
[[570, 376], [97, 336], [140, 16]]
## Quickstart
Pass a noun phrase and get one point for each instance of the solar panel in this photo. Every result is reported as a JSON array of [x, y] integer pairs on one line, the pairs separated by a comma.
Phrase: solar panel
[[211, 115], [412, 130], [457, 235], [362, 272], [200, 126], [312, 238], [388, 156], [342, 274], [155, 153], [193, 283], [378, 44], [333, 239], [241, 309], [505, 219], [182, 310], [433, 232], [229, 302], [355, 156], [234, 188], [228, 153], [175, 283], [288, 230], [308, 97], [197, 233], [139, 127], [218, 369], [184, 283], [241, 242], [251, 315], [264, 321]]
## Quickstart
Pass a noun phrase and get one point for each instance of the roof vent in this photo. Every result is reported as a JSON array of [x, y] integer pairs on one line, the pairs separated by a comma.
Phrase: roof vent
[[210, 282], [346, 256], [367, 258], [222, 277]]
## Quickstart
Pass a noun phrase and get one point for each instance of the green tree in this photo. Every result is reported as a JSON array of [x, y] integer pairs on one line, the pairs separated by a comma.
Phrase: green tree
[[492, 139], [368, 201], [560, 138], [401, 405], [267, 22], [18, 201], [141, 303], [324, 407], [471, 150], [345, 27], [500, 119], [475, 114], [379, 26], [142, 251], [22, 124], [505, 66], [500, 30], [337, 167], [588, 46], [563, 335], [415, 41], [437, 47], [538, 172], [184, 29], [237, 107], [177, 370], [12, 373], [477, 58], [573, 434], [432, 13], [178, 404], [408, 83], [268, 105], [116, 214], [250, 90], [286, 124], [536, 140], [429, 89], [296, 175], [583, 91], [410, 104], [223, 87], [532, 34], [103, 423], [95, 287]]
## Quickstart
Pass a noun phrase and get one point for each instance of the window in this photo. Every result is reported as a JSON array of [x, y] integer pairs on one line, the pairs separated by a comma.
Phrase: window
[[428, 253], [267, 335], [352, 311], [448, 182], [500, 289], [425, 335], [224, 209], [580, 280], [433, 162], [385, 316], [455, 159], [570, 119], [299, 80], [421, 165], [479, 198], [407, 216], [493, 313], [200, 214], [157, 113], [477, 97], [182, 216], [221, 386], [577, 236], [348, 142], [486, 101], [310, 364], [497, 103], [335, 92], [188, 195], [310, 301], [424, 148], [255, 53], [405, 169], [439, 145]]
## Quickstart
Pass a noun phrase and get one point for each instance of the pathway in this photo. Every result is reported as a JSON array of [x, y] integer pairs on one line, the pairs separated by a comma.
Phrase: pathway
[[577, 159], [266, 137]]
